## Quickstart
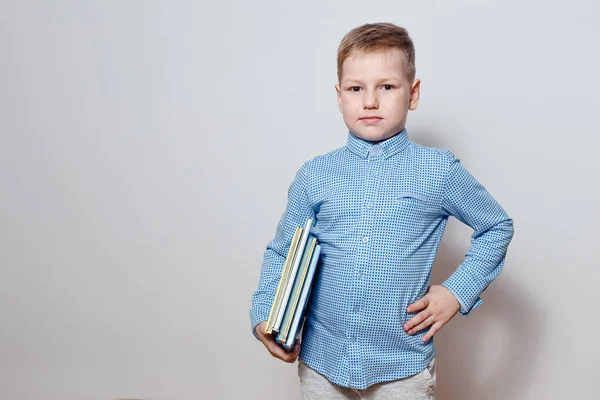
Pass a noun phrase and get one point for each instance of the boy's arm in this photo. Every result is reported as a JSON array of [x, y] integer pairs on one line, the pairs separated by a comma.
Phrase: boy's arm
[[467, 200], [297, 211]]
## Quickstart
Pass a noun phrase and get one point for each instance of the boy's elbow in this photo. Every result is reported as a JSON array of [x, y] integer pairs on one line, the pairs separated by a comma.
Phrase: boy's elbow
[[511, 226], [502, 230], [508, 228]]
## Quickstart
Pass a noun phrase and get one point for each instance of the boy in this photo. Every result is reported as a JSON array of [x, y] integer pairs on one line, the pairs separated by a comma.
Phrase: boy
[[381, 204]]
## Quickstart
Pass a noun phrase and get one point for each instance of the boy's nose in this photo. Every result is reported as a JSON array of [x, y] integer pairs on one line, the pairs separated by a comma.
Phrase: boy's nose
[[370, 101], [368, 104]]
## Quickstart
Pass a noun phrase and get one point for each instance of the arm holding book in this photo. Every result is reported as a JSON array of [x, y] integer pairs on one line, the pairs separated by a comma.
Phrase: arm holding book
[[275, 348], [298, 209]]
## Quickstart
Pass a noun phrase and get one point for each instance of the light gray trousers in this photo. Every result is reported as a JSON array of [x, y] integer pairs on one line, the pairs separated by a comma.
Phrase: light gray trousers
[[421, 386]]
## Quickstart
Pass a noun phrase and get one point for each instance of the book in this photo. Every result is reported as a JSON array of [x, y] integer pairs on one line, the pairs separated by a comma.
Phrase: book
[[285, 276], [296, 289], [288, 309], [296, 264], [299, 315]]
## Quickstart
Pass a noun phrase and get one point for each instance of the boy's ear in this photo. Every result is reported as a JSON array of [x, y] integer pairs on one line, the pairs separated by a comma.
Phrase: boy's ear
[[339, 96], [415, 91]]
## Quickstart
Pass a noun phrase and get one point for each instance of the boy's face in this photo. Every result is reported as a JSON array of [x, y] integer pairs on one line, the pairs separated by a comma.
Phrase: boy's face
[[374, 84]]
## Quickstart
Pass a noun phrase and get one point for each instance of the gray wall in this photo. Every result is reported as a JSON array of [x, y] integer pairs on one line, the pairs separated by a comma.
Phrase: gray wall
[[145, 153]]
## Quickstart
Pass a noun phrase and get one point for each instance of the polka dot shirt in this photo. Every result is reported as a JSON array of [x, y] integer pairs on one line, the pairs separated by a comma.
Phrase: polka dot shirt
[[380, 211]]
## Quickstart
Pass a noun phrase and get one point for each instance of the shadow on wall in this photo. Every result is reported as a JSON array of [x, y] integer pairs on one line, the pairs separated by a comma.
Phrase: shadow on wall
[[464, 371]]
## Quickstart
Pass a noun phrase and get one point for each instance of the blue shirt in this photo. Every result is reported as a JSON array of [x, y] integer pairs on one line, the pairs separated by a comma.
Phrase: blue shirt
[[380, 211]]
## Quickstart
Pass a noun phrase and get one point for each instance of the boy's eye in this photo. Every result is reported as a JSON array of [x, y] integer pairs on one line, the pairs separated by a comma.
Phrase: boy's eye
[[357, 88]]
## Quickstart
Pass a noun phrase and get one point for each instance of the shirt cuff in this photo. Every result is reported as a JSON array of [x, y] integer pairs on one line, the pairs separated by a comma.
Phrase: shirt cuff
[[258, 314], [465, 289]]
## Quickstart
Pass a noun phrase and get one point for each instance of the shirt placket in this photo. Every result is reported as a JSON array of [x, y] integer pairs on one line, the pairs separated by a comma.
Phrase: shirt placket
[[362, 264]]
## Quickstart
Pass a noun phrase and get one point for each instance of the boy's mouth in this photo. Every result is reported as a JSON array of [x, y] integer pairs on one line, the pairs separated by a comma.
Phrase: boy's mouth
[[371, 120]]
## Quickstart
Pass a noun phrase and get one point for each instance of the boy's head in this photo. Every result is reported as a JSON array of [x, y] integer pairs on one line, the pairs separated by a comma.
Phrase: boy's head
[[376, 78]]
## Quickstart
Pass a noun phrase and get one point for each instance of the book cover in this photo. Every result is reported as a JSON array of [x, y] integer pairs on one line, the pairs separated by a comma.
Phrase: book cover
[[304, 297], [293, 273], [285, 276], [296, 289]]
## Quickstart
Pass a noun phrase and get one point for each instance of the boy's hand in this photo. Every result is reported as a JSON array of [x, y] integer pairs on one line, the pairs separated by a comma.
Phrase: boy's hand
[[275, 348], [438, 306]]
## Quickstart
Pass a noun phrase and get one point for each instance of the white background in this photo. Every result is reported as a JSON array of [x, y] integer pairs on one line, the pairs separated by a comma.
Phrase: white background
[[146, 149]]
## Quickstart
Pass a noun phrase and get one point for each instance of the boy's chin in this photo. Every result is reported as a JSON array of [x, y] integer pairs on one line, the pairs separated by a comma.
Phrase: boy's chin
[[372, 136]]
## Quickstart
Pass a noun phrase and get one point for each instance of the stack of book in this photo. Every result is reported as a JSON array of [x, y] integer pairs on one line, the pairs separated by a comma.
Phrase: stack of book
[[287, 312]]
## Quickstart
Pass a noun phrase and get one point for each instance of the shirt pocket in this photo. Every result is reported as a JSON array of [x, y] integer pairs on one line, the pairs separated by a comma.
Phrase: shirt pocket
[[412, 214], [411, 198]]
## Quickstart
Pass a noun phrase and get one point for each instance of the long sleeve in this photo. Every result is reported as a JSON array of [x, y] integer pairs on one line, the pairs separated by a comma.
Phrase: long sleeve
[[469, 202], [298, 209]]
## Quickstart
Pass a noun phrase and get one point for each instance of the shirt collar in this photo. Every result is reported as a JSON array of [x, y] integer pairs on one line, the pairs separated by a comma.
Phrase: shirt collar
[[387, 147]]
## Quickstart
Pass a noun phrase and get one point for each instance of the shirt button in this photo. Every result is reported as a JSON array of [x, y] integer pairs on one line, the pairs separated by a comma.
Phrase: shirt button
[[353, 339], [365, 239], [356, 308], [359, 275], [369, 205]]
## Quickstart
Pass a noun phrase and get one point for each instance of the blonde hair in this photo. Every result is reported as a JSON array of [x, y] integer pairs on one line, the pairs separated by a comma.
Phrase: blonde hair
[[376, 37]]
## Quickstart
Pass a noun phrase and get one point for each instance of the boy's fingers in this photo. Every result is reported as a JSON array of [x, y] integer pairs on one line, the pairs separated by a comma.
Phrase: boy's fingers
[[419, 304], [422, 325], [292, 355], [296, 352], [278, 352], [417, 319], [434, 328]]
